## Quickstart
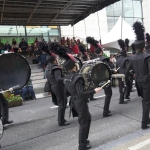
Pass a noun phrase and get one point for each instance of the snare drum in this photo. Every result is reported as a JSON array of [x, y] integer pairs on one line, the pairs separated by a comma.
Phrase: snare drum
[[94, 74], [115, 78]]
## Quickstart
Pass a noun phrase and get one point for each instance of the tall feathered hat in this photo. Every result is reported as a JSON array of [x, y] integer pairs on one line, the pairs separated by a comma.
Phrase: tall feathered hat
[[139, 30], [63, 53], [83, 51], [147, 41], [122, 45], [43, 46], [92, 41], [127, 44]]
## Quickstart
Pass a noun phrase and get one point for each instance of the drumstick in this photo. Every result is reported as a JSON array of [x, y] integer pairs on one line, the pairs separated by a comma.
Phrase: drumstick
[[11, 89], [117, 69], [105, 84]]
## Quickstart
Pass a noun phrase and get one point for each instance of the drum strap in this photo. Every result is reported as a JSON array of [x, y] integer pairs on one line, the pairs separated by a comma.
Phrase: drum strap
[[70, 79]]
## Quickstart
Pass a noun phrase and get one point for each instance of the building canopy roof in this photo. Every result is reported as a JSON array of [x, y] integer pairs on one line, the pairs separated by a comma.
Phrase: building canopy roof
[[48, 12]]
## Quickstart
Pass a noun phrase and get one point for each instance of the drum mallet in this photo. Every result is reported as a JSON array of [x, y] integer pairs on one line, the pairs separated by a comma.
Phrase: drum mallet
[[10, 89], [117, 69], [105, 84]]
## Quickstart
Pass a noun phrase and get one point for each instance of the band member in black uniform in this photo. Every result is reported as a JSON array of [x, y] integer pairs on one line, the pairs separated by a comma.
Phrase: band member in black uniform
[[4, 110], [140, 63], [84, 53], [147, 48], [75, 86], [129, 78], [131, 75], [55, 79], [123, 62], [108, 89]]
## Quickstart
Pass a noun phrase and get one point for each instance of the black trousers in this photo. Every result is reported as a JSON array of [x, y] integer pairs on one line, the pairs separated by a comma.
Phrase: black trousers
[[124, 91], [121, 89], [60, 94], [4, 108], [108, 93], [131, 82], [144, 89], [128, 86], [84, 119]]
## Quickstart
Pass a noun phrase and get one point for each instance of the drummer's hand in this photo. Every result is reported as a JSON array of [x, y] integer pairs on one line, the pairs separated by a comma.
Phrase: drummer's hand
[[97, 90], [115, 71]]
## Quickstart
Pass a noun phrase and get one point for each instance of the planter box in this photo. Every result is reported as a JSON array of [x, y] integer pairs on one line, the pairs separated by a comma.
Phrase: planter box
[[15, 103]]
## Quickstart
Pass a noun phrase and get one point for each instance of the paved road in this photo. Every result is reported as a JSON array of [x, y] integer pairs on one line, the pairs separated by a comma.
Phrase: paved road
[[35, 126]]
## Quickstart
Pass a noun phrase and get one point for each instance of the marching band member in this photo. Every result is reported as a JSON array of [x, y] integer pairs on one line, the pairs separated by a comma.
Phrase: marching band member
[[74, 84], [140, 63], [122, 62], [107, 89], [55, 79], [4, 111]]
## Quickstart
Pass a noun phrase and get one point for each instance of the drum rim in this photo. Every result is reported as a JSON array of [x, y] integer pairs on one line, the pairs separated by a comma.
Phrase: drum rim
[[12, 53], [80, 61]]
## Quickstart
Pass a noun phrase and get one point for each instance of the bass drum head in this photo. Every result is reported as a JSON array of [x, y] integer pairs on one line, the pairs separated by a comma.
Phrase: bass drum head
[[85, 73], [14, 70], [1, 129], [79, 62], [100, 73]]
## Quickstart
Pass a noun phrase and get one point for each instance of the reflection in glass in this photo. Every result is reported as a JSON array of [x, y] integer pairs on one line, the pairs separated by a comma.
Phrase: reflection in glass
[[128, 9], [111, 22], [137, 9], [129, 21], [110, 10], [132, 11]]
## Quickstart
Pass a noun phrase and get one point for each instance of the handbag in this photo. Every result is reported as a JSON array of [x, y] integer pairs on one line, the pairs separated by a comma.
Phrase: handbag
[[47, 87]]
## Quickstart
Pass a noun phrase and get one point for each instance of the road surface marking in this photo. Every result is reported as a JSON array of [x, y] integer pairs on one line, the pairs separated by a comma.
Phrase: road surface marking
[[140, 145], [99, 96]]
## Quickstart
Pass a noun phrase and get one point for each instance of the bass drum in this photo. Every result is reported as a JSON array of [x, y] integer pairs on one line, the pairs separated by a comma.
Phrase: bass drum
[[79, 62], [14, 71], [1, 129], [95, 74]]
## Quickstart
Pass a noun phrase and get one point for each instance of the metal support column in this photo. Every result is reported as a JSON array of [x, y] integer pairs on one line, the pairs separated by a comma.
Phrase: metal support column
[[59, 33], [48, 35], [73, 30], [26, 36], [85, 28], [99, 27], [17, 34], [122, 18]]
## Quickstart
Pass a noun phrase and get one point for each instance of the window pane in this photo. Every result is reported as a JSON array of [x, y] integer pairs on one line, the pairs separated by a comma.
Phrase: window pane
[[110, 11], [116, 19], [138, 19], [137, 9], [129, 21], [118, 9], [128, 9], [110, 22]]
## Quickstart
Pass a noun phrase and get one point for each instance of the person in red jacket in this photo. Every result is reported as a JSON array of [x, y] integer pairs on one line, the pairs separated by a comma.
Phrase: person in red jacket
[[75, 48]]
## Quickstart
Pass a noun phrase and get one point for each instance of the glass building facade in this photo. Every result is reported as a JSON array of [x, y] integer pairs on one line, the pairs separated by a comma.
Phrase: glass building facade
[[130, 10]]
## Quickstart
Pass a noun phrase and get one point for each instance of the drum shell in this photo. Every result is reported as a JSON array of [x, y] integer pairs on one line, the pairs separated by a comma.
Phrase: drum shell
[[115, 78]]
